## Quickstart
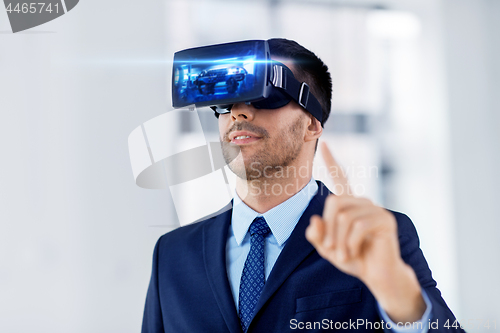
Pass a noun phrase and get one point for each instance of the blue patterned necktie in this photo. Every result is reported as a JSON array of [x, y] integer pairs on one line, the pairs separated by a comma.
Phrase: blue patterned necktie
[[253, 277]]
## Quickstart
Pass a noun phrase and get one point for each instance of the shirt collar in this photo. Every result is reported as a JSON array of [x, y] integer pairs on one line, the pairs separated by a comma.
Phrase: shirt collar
[[281, 219]]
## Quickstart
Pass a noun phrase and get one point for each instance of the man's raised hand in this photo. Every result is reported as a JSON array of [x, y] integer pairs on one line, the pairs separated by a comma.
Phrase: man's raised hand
[[361, 239]]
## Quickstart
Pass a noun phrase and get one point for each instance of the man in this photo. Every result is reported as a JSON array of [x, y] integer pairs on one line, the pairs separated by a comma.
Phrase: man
[[289, 254]]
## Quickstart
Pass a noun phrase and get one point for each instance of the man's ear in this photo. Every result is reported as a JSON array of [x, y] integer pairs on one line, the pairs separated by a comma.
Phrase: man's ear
[[313, 130]]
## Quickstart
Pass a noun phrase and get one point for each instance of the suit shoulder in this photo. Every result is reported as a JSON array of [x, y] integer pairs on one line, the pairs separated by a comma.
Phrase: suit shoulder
[[405, 225], [184, 235]]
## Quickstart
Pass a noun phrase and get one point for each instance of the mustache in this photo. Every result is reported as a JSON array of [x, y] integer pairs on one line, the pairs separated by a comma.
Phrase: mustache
[[244, 126]]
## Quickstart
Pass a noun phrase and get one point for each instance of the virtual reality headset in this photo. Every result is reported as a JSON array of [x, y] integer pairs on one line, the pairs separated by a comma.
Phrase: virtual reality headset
[[221, 75]]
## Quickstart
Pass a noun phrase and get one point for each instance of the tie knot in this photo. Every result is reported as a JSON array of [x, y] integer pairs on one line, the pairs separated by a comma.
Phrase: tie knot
[[259, 226]]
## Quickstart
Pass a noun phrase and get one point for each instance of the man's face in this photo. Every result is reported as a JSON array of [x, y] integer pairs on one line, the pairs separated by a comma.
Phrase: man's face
[[267, 139]]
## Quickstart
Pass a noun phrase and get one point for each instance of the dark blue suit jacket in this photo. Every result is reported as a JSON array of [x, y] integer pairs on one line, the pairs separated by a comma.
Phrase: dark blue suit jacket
[[189, 290]]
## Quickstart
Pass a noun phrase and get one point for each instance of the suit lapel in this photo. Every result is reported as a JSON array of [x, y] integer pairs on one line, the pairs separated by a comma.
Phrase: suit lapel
[[295, 251], [214, 252], [297, 248]]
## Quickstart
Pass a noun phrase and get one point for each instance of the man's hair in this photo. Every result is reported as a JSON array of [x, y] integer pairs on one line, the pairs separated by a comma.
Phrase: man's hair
[[308, 68]]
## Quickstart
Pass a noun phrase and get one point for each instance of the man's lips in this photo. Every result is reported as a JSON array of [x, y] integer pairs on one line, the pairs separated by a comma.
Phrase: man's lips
[[243, 137]]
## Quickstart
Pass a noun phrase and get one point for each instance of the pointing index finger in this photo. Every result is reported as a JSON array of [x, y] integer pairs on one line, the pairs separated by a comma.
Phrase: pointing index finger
[[335, 172]]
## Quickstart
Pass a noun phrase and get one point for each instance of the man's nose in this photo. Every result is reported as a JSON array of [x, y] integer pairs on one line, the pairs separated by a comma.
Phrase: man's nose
[[242, 111]]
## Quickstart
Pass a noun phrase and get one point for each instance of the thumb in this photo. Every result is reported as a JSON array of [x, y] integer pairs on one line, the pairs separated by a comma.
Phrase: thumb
[[315, 232]]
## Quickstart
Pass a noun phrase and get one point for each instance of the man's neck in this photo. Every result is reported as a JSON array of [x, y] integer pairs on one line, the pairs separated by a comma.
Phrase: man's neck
[[265, 193]]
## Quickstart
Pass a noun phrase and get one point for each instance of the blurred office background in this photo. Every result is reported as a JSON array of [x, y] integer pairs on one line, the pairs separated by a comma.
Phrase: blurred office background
[[416, 94]]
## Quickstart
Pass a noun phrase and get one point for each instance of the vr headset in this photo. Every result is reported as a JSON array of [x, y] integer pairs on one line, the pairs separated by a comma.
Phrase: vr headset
[[242, 72]]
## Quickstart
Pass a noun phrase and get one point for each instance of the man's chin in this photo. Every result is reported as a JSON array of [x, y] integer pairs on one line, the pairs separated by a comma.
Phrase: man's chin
[[239, 170], [246, 172]]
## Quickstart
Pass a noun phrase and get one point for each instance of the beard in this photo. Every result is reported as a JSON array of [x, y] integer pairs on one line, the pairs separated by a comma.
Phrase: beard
[[272, 155]]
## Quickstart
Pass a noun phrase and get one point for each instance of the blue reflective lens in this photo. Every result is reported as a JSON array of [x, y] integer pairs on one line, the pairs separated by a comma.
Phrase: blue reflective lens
[[221, 74]]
